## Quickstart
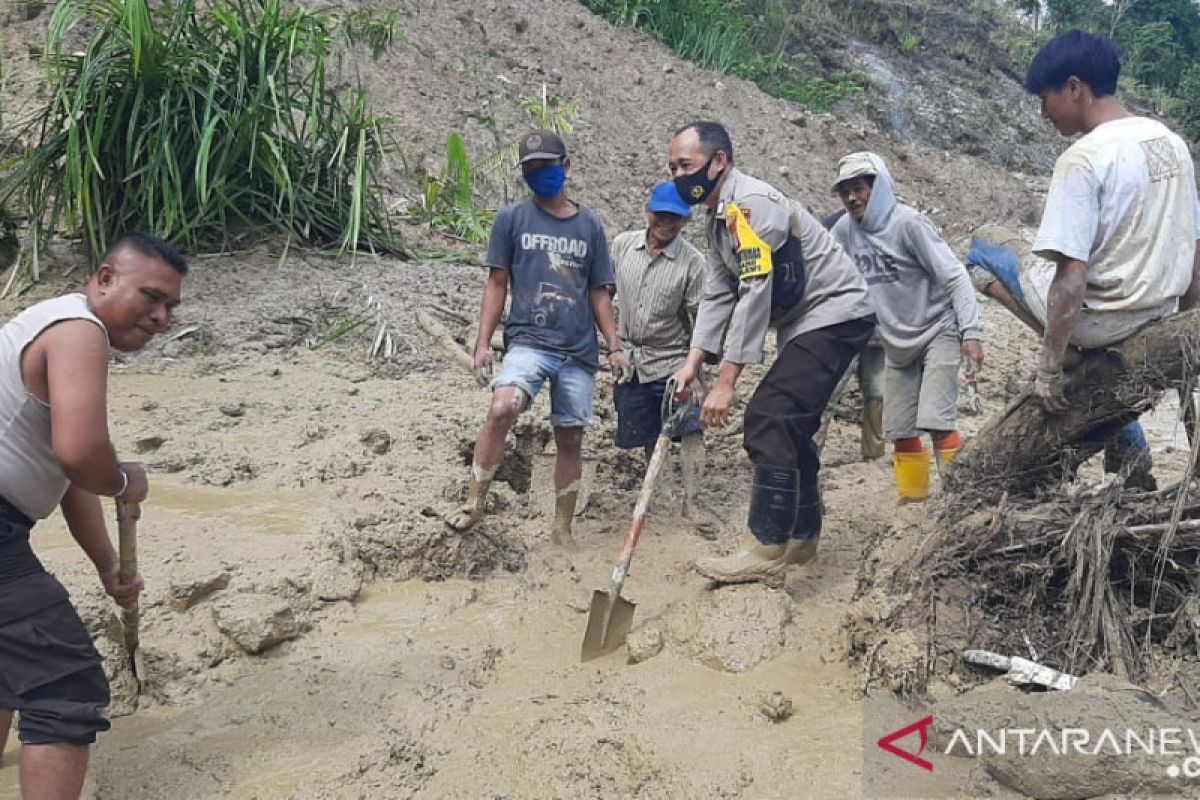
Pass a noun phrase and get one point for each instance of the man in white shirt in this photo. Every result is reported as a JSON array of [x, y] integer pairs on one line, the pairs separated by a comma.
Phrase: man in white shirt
[[1117, 244]]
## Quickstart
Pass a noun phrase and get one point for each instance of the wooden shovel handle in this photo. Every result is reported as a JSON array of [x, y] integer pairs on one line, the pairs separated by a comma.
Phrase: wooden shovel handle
[[128, 515], [643, 503]]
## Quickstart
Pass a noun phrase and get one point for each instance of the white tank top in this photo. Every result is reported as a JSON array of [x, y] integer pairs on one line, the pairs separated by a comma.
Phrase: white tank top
[[30, 475]]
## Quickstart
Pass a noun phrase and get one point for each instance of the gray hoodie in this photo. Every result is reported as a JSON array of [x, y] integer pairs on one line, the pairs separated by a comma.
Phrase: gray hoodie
[[917, 285]]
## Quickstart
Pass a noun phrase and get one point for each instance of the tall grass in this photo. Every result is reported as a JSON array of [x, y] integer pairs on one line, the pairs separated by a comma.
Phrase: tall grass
[[447, 201], [710, 33], [729, 36], [202, 125]]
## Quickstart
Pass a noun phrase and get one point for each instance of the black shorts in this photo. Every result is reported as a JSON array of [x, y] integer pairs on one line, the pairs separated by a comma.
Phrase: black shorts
[[50, 671], [639, 414]]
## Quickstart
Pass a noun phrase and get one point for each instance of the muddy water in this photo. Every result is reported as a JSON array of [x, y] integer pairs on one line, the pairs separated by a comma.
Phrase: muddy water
[[461, 688]]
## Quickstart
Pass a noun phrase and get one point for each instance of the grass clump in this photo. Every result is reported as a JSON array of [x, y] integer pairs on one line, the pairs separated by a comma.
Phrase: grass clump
[[204, 125], [757, 41], [447, 201]]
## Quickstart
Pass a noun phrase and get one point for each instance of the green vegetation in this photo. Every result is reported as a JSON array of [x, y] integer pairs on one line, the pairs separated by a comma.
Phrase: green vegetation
[[1160, 48], [548, 112], [448, 202], [772, 42], [753, 39], [205, 124]]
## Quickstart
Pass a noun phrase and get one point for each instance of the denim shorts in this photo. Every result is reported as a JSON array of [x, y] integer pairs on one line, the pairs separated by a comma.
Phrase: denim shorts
[[571, 384]]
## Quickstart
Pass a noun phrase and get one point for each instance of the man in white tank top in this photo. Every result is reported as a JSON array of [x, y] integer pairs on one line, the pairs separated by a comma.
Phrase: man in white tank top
[[55, 452]]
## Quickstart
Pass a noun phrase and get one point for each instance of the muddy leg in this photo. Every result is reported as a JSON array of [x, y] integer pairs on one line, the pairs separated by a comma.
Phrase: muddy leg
[[6, 716], [507, 404], [691, 457], [568, 469], [53, 771]]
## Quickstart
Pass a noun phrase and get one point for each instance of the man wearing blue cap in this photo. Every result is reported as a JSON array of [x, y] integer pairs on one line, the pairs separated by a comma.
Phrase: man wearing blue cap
[[660, 279]]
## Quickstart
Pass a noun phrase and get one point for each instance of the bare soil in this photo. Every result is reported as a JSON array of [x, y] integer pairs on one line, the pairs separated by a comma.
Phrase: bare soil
[[298, 490]]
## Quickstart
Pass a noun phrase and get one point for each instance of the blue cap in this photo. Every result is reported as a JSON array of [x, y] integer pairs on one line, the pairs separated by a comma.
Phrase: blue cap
[[665, 197]]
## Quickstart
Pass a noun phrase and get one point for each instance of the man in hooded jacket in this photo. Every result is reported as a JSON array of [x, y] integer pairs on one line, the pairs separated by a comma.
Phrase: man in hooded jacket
[[927, 312]]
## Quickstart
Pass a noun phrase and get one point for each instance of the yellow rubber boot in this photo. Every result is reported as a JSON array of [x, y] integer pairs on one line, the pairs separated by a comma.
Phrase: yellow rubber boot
[[912, 475]]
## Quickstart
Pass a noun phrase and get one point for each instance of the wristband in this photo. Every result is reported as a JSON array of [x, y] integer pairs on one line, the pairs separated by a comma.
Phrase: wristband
[[124, 482]]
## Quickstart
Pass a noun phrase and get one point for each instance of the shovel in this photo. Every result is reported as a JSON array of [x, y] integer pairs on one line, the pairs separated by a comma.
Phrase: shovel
[[974, 400], [611, 616], [128, 515]]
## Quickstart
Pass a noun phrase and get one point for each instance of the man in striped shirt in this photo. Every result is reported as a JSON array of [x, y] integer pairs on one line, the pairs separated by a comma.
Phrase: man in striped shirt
[[660, 279]]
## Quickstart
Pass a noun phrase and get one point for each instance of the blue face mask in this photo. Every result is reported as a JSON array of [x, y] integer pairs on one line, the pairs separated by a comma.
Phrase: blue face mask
[[548, 181]]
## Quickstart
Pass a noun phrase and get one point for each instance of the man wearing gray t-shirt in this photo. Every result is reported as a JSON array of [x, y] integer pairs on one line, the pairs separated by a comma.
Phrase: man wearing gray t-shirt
[[554, 255]]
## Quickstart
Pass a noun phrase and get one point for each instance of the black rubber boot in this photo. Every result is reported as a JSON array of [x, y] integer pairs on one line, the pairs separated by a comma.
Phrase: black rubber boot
[[774, 501]]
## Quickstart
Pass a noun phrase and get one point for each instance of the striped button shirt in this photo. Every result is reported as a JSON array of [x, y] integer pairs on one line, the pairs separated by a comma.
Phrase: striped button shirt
[[657, 300]]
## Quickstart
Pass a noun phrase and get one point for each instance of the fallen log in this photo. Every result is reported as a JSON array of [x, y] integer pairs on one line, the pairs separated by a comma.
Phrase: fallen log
[[1026, 448], [443, 337]]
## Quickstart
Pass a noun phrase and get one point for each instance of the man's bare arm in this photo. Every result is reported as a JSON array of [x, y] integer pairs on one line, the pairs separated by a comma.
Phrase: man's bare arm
[[77, 389], [85, 519], [602, 307], [1063, 305], [1192, 295], [492, 307]]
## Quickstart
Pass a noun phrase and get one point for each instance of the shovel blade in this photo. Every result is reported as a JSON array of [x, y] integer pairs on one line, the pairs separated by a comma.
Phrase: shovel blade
[[609, 621]]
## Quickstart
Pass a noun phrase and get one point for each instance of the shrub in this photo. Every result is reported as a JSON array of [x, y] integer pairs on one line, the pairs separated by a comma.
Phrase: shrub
[[202, 126], [447, 200]]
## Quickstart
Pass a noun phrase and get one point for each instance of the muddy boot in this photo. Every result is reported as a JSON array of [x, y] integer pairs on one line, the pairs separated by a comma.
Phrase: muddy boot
[[564, 515], [760, 557], [472, 510], [945, 448], [1127, 452], [691, 458], [802, 546], [872, 430]]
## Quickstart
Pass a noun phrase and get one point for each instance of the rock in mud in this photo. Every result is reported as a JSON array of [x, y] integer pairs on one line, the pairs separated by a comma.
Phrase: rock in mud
[[377, 440], [335, 580], [148, 444], [255, 622], [743, 628], [233, 410], [775, 706], [191, 583], [1097, 704], [645, 643]]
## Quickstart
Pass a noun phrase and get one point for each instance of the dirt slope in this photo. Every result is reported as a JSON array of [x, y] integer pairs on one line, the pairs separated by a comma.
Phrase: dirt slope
[[466, 68]]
